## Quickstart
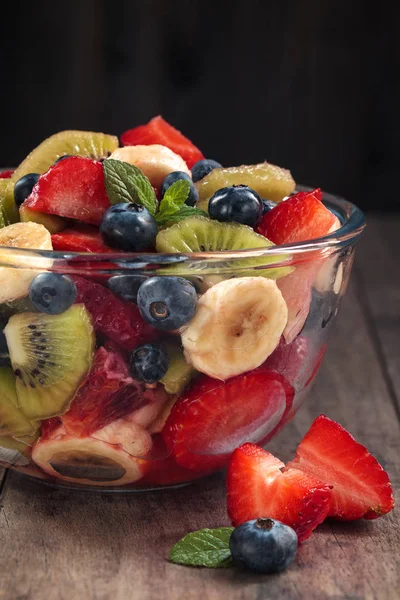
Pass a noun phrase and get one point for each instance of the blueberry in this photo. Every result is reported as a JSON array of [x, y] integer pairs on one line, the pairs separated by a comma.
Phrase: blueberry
[[177, 176], [267, 205], [167, 302], [126, 286], [60, 158], [52, 293], [149, 363], [203, 168], [237, 203], [24, 186], [263, 545], [128, 226]]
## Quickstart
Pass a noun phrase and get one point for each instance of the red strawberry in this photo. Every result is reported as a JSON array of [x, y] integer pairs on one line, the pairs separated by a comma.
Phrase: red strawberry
[[301, 217], [81, 238], [257, 487], [158, 131], [72, 188], [298, 361], [48, 426], [361, 487], [214, 417], [113, 317], [6, 174]]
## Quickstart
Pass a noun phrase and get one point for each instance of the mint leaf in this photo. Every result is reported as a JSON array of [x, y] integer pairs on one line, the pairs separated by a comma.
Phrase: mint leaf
[[183, 213], [127, 183], [175, 196], [204, 548]]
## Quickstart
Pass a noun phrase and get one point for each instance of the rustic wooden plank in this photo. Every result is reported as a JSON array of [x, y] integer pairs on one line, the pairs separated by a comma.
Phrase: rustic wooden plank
[[63, 545], [377, 274]]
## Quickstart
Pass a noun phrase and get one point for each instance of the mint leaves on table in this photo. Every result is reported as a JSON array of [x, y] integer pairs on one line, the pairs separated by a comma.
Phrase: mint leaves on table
[[173, 207], [204, 548], [127, 183]]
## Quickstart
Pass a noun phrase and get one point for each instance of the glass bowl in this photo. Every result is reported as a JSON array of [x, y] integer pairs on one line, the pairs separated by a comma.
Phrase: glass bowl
[[118, 434]]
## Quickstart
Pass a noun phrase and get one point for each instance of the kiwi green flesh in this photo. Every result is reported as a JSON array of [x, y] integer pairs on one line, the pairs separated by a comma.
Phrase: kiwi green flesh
[[50, 356], [199, 234], [12, 421], [9, 210], [53, 223], [82, 465], [13, 452], [179, 373]]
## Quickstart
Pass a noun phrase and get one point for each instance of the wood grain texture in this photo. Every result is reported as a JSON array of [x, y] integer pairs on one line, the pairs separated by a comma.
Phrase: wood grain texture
[[63, 545]]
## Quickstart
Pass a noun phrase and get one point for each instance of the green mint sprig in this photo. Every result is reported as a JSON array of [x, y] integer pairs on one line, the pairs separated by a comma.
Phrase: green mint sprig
[[172, 206], [127, 183], [204, 548]]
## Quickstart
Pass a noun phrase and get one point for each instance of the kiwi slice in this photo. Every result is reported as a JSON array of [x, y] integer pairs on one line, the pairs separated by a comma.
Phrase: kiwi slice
[[50, 355], [9, 210], [199, 234], [179, 373], [53, 223], [12, 420], [270, 181]]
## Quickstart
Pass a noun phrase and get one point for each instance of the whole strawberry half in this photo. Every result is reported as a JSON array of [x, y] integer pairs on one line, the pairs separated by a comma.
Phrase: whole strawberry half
[[81, 238], [301, 217], [72, 188], [214, 417], [360, 486], [113, 317], [257, 487], [159, 131]]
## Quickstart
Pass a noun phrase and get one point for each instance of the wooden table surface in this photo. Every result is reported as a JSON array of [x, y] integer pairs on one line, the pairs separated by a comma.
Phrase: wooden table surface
[[58, 545]]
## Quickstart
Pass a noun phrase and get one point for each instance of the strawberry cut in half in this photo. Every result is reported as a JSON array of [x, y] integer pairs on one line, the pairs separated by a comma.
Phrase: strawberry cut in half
[[302, 217], [159, 131], [361, 487], [214, 417], [72, 188], [113, 317], [81, 238], [257, 487]]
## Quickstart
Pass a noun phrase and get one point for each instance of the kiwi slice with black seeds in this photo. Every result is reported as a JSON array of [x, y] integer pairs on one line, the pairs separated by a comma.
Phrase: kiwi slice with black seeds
[[50, 356], [199, 234], [12, 421]]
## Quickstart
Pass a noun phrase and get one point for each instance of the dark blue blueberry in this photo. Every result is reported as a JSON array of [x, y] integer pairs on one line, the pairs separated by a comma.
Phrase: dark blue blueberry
[[24, 186], [126, 286], [263, 545], [237, 203], [62, 158], [203, 168], [167, 302], [178, 176], [52, 293], [267, 205], [4, 354], [148, 363], [128, 226]]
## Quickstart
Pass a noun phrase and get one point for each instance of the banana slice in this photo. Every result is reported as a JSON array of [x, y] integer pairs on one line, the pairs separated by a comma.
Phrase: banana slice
[[237, 325], [89, 460], [16, 277]]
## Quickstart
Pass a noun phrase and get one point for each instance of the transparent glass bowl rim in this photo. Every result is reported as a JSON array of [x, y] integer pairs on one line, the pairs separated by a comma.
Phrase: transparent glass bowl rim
[[352, 225]]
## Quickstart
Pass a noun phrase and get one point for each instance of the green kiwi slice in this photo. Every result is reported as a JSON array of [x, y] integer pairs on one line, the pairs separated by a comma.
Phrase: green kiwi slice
[[53, 223], [50, 356], [179, 373], [199, 234], [9, 210], [12, 420]]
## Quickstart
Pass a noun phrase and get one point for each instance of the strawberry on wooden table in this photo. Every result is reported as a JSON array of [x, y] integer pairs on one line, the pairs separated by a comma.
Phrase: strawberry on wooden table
[[257, 488], [159, 131], [360, 486], [72, 188]]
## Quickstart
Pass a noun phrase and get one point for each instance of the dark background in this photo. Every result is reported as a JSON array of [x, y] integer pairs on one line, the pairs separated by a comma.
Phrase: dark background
[[312, 85]]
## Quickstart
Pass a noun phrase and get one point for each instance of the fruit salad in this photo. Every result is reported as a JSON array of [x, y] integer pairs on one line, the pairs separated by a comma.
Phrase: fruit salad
[[158, 310]]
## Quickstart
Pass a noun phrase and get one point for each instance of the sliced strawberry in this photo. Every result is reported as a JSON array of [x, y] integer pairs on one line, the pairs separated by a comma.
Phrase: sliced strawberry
[[72, 188], [159, 131], [81, 238], [113, 317], [6, 174], [301, 217], [215, 417], [361, 487], [256, 487], [298, 361], [48, 426]]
